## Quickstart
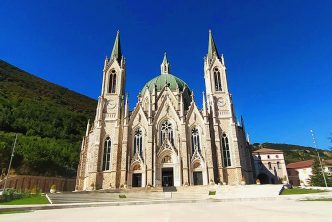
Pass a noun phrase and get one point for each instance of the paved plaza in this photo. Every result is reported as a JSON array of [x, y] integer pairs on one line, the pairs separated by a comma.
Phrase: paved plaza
[[276, 210]]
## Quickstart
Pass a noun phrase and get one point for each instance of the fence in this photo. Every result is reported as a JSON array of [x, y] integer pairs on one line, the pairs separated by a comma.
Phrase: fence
[[43, 184]]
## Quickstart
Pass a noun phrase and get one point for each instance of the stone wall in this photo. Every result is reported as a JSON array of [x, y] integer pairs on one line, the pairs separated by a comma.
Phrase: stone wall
[[43, 184]]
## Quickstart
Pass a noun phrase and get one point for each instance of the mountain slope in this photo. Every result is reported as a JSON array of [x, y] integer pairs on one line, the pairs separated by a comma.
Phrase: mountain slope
[[50, 120], [294, 153]]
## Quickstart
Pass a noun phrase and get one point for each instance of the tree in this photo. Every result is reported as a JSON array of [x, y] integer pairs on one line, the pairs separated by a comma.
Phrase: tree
[[317, 179]]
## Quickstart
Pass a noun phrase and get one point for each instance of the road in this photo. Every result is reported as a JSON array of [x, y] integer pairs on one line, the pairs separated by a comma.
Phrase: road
[[271, 211]]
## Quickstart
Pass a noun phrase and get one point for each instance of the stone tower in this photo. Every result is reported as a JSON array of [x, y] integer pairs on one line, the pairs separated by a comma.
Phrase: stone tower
[[166, 140], [232, 162]]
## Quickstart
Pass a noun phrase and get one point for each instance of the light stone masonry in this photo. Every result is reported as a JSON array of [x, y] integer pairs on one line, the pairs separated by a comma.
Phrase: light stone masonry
[[166, 140]]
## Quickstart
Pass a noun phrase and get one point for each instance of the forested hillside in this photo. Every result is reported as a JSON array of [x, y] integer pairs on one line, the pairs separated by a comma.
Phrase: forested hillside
[[50, 120], [294, 153]]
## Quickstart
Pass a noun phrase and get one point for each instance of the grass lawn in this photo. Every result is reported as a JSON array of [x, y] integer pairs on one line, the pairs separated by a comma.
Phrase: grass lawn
[[320, 199], [297, 190], [14, 212], [28, 200]]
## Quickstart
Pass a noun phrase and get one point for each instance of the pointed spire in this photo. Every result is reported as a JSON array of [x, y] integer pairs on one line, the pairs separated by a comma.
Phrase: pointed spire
[[222, 59], [87, 128], [165, 66], [105, 62], [126, 106], [165, 58], [204, 106], [212, 49], [116, 52], [150, 108], [181, 108]]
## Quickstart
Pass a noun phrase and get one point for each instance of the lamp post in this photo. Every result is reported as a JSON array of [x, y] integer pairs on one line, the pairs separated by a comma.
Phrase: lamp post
[[10, 163], [320, 162]]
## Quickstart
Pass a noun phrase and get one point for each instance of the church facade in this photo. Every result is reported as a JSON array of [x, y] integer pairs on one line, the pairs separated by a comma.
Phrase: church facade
[[166, 140]]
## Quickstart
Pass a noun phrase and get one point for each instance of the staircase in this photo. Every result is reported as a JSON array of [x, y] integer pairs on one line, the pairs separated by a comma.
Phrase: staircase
[[171, 193]]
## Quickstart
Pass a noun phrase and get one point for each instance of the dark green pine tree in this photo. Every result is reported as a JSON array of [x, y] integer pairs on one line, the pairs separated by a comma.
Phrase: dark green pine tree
[[317, 179]]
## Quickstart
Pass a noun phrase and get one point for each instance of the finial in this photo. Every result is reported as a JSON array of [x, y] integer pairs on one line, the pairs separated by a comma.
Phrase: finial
[[165, 66], [87, 128]]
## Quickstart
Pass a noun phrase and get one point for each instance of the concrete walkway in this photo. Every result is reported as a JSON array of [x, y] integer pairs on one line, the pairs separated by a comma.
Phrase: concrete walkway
[[124, 202], [272, 211]]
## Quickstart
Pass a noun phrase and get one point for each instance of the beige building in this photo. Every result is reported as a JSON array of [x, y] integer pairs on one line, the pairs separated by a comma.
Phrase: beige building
[[270, 166], [300, 172], [166, 140]]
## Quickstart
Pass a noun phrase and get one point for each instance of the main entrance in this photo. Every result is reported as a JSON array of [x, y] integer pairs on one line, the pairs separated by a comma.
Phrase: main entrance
[[137, 180], [167, 177], [198, 178]]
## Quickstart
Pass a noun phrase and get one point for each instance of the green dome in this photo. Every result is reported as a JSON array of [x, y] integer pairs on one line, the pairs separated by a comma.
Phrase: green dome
[[173, 82]]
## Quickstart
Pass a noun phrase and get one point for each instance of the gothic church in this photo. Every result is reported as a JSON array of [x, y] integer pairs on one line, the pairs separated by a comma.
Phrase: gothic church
[[166, 140]]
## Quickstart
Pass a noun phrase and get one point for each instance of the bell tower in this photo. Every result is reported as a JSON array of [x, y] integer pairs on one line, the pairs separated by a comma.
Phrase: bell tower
[[218, 96], [223, 127], [113, 86], [108, 130]]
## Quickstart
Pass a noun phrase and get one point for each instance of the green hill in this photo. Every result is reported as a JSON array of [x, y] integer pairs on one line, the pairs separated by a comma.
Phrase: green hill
[[294, 153], [50, 120]]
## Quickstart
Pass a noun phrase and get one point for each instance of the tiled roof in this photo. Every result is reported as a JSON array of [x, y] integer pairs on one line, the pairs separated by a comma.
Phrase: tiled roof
[[306, 164], [301, 164], [267, 151]]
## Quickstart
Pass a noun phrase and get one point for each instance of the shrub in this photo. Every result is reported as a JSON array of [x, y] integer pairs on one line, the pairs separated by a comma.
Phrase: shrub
[[10, 194], [35, 189], [212, 193], [121, 196]]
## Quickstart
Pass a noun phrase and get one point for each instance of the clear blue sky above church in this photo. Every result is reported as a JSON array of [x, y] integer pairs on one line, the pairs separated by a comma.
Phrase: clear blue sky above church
[[278, 53]]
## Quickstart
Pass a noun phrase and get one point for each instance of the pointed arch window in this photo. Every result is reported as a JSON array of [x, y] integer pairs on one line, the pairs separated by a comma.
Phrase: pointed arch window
[[270, 165], [195, 143], [138, 142], [217, 79], [166, 132], [107, 155], [225, 150], [112, 82]]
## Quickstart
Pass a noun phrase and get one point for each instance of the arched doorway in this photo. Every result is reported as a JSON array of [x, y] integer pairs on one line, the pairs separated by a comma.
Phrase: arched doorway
[[137, 176], [167, 174], [263, 178], [197, 174]]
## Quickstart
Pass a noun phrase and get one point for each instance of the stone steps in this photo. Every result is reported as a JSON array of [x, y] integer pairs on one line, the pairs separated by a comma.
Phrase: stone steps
[[179, 193]]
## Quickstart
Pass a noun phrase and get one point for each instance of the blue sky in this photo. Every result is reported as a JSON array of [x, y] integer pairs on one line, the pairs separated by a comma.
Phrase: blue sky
[[278, 53]]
